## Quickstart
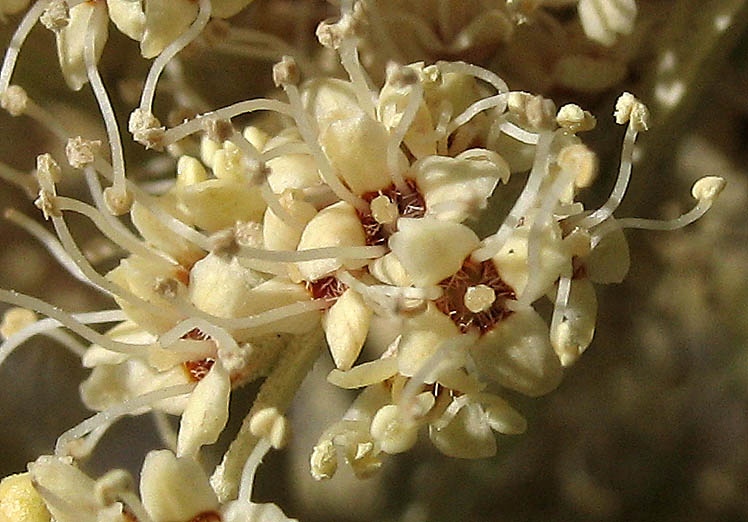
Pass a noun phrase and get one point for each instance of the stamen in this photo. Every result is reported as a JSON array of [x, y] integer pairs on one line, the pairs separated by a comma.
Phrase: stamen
[[111, 415], [312, 254], [47, 239], [399, 132], [492, 244], [426, 372], [622, 182], [309, 134], [117, 236], [16, 42], [543, 219], [498, 101], [118, 192], [561, 302], [705, 191], [149, 90], [72, 324], [151, 203], [226, 113], [359, 79], [475, 71], [48, 327]]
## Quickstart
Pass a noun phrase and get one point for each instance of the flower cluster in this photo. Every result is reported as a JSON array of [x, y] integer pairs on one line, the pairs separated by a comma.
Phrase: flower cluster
[[347, 208]]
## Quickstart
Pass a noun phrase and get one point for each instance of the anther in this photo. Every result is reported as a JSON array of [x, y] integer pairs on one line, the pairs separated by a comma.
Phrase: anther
[[81, 152], [56, 16], [146, 129], [575, 119], [218, 130], [630, 110], [708, 188], [14, 100], [286, 72], [118, 202], [15, 320]]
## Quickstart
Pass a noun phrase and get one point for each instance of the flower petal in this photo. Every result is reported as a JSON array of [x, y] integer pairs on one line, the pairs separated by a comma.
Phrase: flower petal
[[174, 488], [206, 413], [346, 326], [517, 354], [431, 250]]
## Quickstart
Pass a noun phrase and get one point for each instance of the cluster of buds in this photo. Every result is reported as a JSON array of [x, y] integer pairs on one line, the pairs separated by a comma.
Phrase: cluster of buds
[[348, 210]]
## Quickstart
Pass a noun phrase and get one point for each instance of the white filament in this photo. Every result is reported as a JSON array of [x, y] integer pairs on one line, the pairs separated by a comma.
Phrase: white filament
[[49, 325], [105, 106], [16, 42], [149, 90], [111, 415]]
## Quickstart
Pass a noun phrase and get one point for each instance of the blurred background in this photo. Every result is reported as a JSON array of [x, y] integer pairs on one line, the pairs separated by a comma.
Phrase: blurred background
[[650, 425]]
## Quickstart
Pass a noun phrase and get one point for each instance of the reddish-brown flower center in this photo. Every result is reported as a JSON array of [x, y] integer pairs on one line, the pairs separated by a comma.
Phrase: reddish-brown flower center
[[409, 204], [452, 302], [328, 287]]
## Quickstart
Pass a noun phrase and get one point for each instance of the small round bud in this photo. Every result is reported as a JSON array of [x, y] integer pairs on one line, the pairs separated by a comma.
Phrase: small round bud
[[15, 320], [118, 202], [708, 188], [14, 100], [270, 425]]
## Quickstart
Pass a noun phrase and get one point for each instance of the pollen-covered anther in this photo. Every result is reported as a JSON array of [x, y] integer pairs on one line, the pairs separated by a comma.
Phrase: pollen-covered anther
[[286, 72], [708, 188], [109, 488], [332, 34], [146, 129], [56, 16], [630, 110], [324, 460], [14, 100], [14, 320], [270, 425], [218, 129], [572, 117], [81, 152], [479, 298], [118, 202]]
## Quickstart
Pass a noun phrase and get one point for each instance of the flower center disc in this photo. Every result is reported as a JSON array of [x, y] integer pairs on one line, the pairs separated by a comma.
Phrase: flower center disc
[[467, 298]]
